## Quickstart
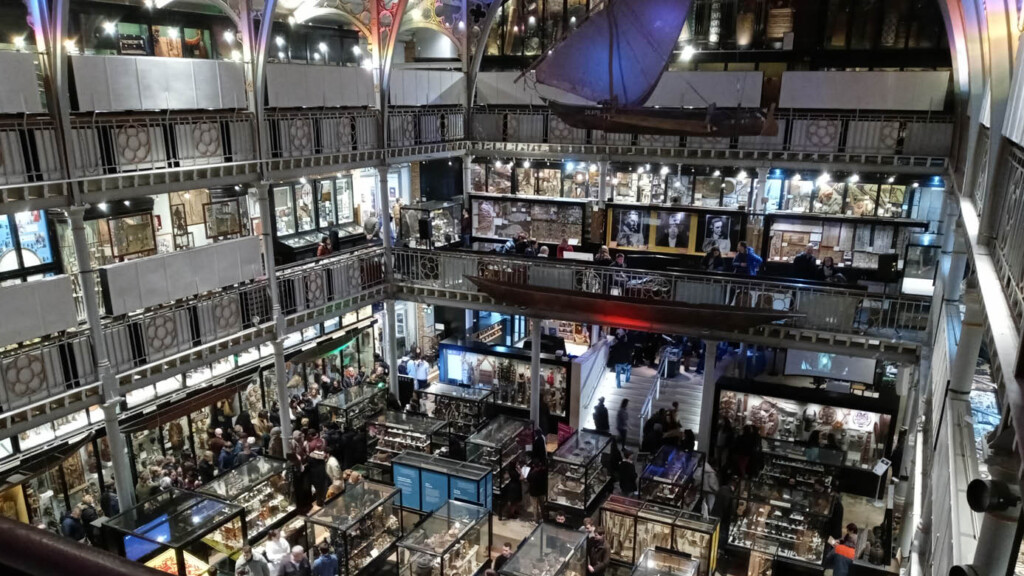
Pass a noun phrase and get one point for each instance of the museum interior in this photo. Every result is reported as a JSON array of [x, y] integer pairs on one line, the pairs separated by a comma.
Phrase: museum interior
[[511, 287]]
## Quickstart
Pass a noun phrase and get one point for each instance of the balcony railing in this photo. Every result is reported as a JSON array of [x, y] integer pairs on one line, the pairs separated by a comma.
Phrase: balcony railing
[[427, 125], [826, 309], [901, 139], [313, 285]]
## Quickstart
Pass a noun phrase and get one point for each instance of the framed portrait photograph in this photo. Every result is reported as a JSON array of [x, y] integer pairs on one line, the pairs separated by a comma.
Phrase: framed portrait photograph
[[131, 235], [192, 202], [222, 219], [717, 232], [629, 228], [672, 232], [179, 222]]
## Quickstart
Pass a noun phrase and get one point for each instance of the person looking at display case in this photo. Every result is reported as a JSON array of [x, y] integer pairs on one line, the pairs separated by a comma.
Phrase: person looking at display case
[[249, 564], [276, 549], [598, 555], [296, 564], [326, 563], [506, 553]]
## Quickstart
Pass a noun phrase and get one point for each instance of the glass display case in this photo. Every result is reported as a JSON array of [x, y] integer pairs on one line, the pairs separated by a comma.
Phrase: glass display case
[[362, 525], [549, 550], [434, 224], [465, 409], [668, 478], [771, 489], [796, 535], [498, 445], [803, 467], [762, 557], [179, 532], [632, 526], [578, 472], [454, 540], [260, 486], [393, 432], [352, 407], [547, 220], [665, 563]]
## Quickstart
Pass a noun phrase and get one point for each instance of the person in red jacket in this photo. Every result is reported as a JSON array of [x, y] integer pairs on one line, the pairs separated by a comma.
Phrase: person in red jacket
[[563, 247], [840, 557]]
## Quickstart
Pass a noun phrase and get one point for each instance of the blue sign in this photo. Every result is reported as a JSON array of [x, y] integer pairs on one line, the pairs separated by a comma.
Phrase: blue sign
[[488, 489], [407, 479], [466, 490], [434, 490]]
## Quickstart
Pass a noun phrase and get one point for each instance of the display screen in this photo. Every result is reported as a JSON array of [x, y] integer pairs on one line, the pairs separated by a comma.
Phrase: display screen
[[157, 530], [804, 363]]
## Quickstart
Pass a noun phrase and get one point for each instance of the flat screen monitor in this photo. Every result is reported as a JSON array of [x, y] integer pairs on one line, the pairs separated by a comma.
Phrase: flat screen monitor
[[824, 365]]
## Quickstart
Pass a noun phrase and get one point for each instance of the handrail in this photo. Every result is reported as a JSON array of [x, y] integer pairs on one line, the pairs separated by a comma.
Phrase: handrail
[[35, 552], [647, 408]]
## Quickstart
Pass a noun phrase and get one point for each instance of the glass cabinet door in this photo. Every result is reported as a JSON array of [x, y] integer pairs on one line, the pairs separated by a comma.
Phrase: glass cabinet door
[[325, 206], [284, 210], [304, 207], [343, 197]]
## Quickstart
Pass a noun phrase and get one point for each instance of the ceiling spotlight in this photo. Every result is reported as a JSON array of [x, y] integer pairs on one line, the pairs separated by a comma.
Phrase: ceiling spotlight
[[357, 50], [367, 63], [664, 170], [102, 206], [280, 55], [70, 47], [615, 181], [823, 179], [302, 180], [291, 20], [19, 42], [462, 25], [229, 36], [526, 163], [640, 170], [678, 184], [150, 3], [316, 56], [572, 20], [172, 33], [109, 28], [914, 185], [186, 195], [796, 177], [569, 166], [716, 173], [891, 179], [497, 163], [687, 54], [742, 175], [127, 203], [532, 20], [236, 55], [647, 167], [593, 167], [323, 47], [279, 41], [854, 179]]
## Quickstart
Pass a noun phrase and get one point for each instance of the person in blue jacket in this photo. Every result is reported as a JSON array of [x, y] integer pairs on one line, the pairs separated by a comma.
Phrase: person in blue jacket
[[746, 261]]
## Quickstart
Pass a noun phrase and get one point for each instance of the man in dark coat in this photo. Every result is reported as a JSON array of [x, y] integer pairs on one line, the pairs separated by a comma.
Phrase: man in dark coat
[[805, 265], [601, 423]]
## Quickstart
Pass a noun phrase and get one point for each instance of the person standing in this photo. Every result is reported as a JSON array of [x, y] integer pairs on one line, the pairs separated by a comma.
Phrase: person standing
[[537, 480], [627, 474], [372, 226], [422, 373], [621, 356], [622, 421], [109, 503], [324, 249], [746, 261], [296, 564], [327, 563], [71, 524], [601, 417], [805, 264], [276, 549], [603, 257], [467, 230], [598, 554], [249, 564], [88, 516], [563, 247], [506, 553]]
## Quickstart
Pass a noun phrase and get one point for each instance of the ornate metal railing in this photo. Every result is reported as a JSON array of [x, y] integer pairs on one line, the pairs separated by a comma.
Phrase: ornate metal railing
[[825, 308], [311, 132]]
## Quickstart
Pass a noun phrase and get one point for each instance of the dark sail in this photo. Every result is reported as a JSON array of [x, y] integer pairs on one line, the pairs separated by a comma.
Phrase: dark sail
[[638, 35]]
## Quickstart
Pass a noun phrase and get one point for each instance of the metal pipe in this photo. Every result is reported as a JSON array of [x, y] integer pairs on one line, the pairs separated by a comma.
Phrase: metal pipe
[[535, 386], [283, 399]]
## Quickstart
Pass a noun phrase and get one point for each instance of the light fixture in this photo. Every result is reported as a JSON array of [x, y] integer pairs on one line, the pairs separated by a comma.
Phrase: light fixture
[[238, 186], [316, 56], [742, 175], [640, 170], [186, 195], [823, 179], [127, 203], [323, 47], [280, 55], [229, 36], [19, 42], [569, 166], [854, 179], [579, 177], [796, 177], [497, 163], [172, 33], [149, 4], [462, 25], [572, 20], [515, 29], [664, 170], [291, 20], [367, 63], [526, 163], [70, 47], [615, 181], [914, 185], [687, 53], [279, 41], [532, 20], [716, 173], [236, 55], [449, 162], [109, 28], [647, 167], [593, 167], [302, 180], [891, 179], [357, 50], [339, 174], [102, 206]]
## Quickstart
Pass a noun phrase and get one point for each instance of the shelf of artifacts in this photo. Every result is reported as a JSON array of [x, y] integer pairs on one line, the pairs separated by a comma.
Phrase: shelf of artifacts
[[805, 467], [454, 540], [261, 486], [660, 562], [465, 409], [548, 220], [499, 446], [392, 433], [577, 472], [352, 407], [632, 526], [669, 478], [550, 550], [361, 525], [179, 532], [850, 241], [798, 535], [506, 372]]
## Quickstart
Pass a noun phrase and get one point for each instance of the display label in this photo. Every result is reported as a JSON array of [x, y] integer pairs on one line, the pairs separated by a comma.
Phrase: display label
[[434, 490], [882, 465], [407, 479], [466, 490]]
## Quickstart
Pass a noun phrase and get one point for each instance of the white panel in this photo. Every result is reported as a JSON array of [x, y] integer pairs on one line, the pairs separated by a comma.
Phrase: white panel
[[19, 91], [85, 152], [560, 133], [161, 82], [301, 85], [241, 140], [501, 88], [488, 127], [698, 89], [153, 280], [206, 83], [1013, 123], [776, 142], [232, 84], [924, 139], [816, 135], [91, 83], [121, 287], [57, 303], [199, 143], [123, 80], [46, 148], [706, 143], [865, 90], [872, 137], [180, 275], [12, 160], [427, 87], [204, 266], [526, 128]]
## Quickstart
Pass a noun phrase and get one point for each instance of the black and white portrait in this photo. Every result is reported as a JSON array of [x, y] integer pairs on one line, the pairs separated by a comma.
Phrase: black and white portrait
[[673, 231], [630, 229], [716, 233]]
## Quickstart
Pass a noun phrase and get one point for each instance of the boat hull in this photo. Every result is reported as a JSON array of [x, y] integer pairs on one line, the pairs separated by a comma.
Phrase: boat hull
[[663, 122], [632, 313]]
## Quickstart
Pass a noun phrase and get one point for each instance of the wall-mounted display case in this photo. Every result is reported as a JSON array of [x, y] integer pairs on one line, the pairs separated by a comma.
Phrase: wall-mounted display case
[[261, 486], [546, 220], [578, 472], [305, 212], [392, 433], [657, 562], [632, 526], [362, 525], [430, 225], [454, 540], [549, 550], [179, 532], [465, 409], [668, 478], [506, 371], [352, 407], [498, 445]]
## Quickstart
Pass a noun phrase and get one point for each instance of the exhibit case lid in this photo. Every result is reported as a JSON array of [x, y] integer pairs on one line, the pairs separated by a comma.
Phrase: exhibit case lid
[[353, 504], [673, 465], [581, 448], [351, 397], [447, 390], [661, 562], [498, 431], [411, 422], [546, 551], [442, 465], [174, 518], [453, 518], [239, 480]]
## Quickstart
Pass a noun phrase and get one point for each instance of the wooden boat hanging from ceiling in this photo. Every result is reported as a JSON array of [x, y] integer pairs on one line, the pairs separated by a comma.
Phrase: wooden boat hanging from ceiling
[[616, 58], [631, 313]]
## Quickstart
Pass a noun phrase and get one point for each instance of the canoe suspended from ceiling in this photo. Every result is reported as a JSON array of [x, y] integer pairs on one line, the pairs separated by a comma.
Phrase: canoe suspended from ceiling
[[616, 58], [633, 313]]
